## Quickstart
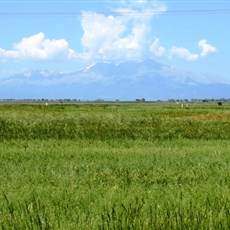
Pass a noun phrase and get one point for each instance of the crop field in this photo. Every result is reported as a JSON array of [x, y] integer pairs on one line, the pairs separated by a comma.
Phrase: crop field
[[114, 166]]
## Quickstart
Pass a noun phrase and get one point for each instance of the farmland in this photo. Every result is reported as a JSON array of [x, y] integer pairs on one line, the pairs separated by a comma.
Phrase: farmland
[[114, 166]]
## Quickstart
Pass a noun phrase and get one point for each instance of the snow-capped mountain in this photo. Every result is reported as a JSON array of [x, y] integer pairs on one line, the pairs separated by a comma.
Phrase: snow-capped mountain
[[110, 81]]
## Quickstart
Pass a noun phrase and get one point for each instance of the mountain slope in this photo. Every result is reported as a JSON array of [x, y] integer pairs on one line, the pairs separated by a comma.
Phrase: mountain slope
[[125, 81]]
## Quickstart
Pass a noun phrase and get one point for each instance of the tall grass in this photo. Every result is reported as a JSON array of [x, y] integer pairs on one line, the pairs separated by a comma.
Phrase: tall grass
[[59, 184], [114, 166], [139, 215], [108, 122]]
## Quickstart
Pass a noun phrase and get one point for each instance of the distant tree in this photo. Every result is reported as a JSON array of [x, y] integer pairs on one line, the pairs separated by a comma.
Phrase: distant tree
[[140, 100], [219, 103]]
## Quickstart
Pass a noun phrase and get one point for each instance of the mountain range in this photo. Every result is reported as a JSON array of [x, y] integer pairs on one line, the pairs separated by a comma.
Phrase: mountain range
[[129, 80]]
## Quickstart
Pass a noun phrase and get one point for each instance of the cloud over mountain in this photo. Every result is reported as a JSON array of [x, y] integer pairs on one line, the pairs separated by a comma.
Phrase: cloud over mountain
[[124, 32], [183, 53], [126, 35], [39, 48], [206, 48]]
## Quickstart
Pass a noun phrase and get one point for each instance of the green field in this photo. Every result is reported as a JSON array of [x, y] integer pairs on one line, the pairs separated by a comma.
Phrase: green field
[[114, 166]]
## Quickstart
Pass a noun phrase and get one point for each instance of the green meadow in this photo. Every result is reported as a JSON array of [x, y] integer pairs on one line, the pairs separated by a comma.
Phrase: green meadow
[[114, 166]]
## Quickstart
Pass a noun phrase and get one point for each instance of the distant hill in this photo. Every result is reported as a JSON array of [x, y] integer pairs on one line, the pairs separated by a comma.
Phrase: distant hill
[[109, 81]]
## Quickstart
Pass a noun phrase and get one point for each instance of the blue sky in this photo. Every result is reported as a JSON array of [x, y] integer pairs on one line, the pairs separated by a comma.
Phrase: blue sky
[[69, 35]]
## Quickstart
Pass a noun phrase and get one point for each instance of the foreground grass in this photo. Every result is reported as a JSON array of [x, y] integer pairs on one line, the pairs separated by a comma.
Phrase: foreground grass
[[114, 184]]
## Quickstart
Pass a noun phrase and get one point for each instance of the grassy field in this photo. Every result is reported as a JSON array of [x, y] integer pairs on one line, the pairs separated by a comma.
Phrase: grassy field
[[114, 166]]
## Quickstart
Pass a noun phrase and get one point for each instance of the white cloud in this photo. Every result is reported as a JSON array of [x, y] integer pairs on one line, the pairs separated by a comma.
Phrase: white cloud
[[122, 35], [141, 10], [100, 31], [39, 48], [125, 35], [108, 37], [156, 48], [206, 48], [183, 53]]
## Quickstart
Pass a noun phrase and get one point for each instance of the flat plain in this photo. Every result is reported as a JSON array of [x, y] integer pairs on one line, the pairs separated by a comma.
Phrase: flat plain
[[114, 166]]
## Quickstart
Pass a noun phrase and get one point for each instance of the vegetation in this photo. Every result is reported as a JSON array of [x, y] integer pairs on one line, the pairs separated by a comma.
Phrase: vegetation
[[114, 166], [114, 121]]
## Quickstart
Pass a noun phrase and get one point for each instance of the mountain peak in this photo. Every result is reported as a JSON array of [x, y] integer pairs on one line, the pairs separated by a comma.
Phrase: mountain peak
[[125, 81]]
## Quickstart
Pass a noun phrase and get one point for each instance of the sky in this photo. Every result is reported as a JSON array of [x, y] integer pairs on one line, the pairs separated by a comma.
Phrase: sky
[[70, 35]]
